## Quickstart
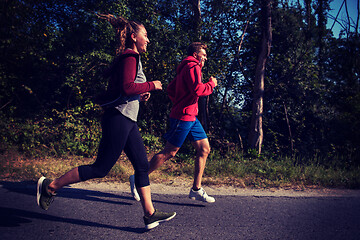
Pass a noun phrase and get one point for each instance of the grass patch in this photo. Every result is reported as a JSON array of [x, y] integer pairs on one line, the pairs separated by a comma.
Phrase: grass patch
[[282, 172], [232, 168]]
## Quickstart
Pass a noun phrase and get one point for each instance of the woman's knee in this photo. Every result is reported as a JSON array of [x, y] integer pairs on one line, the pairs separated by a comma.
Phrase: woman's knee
[[141, 179], [90, 171]]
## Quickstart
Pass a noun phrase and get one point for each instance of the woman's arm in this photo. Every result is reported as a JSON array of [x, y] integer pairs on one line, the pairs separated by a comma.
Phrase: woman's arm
[[127, 72]]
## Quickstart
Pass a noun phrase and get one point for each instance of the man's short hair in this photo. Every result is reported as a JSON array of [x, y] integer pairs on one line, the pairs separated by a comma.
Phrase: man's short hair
[[195, 47]]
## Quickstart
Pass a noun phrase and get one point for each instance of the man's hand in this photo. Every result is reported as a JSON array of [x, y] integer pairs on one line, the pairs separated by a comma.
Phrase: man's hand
[[213, 79], [158, 85]]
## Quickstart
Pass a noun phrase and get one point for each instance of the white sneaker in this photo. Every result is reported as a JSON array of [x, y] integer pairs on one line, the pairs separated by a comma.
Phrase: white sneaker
[[134, 192], [200, 195]]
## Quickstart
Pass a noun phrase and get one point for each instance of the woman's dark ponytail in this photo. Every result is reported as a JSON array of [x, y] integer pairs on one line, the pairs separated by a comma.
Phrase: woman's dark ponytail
[[123, 30], [120, 26]]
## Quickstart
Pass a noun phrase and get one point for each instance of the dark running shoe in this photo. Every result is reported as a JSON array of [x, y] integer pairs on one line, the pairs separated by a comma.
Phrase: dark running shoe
[[44, 197], [156, 218]]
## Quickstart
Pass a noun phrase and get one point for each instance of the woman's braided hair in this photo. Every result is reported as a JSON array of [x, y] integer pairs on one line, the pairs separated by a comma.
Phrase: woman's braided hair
[[123, 30]]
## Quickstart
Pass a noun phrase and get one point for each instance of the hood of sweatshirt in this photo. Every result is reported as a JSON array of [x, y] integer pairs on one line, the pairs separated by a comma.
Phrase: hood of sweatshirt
[[189, 60]]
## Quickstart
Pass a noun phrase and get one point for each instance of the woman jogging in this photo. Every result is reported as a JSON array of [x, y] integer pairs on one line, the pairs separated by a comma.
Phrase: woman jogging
[[127, 86]]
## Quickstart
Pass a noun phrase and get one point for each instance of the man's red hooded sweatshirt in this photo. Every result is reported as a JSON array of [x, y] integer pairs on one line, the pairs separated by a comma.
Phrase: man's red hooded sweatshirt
[[186, 88]]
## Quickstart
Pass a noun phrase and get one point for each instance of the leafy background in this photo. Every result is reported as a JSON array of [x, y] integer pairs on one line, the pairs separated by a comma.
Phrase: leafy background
[[53, 55]]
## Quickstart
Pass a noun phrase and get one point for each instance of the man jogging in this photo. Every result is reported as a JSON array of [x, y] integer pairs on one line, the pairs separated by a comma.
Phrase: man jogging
[[184, 92]]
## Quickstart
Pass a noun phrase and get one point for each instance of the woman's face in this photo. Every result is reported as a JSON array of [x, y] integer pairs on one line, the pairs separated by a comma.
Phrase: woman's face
[[140, 40]]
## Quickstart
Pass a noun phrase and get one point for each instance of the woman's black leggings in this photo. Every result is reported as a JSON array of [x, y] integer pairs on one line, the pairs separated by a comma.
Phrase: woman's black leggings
[[118, 133]]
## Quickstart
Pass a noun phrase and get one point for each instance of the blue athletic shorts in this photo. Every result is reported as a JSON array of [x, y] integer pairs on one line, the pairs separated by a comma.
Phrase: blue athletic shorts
[[179, 130]]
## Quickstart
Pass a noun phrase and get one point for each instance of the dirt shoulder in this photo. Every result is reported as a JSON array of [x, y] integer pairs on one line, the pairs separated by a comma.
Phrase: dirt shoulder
[[18, 168], [182, 187]]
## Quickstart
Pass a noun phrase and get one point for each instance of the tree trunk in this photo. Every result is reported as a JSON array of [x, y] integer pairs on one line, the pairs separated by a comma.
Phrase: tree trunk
[[357, 18], [289, 128], [203, 101], [195, 5], [256, 131], [308, 19], [321, 33]]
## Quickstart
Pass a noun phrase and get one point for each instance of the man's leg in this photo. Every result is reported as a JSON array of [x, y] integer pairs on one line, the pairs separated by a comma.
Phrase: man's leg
[[202, 151], [158, 159], [176, 134]]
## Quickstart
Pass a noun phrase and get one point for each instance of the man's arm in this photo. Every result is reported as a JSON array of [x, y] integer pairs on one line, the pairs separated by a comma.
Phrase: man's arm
[[200, 89]]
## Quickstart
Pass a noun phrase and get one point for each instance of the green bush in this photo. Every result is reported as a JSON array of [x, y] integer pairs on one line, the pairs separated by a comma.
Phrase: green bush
[[75, 131], [152, 142]]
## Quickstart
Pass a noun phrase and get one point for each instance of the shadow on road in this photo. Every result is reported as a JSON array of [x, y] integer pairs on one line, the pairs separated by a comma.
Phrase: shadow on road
[[11, 217], [180, 204], [29, 188]]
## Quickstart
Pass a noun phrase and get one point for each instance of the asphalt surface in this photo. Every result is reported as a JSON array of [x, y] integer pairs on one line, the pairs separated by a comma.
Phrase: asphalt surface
[[78, 213]]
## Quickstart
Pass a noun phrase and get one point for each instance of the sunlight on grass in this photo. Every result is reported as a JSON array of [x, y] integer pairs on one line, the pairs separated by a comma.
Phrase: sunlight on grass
[[222, 169]]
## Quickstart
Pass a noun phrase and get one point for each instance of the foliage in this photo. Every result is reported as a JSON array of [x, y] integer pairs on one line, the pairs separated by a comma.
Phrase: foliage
[[152, 142], [53, 56], [74, 131]]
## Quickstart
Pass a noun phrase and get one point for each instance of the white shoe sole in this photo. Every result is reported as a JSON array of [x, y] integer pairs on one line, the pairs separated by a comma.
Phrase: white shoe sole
[[155, 224], [200, 198], [134, 192], [39, 187]]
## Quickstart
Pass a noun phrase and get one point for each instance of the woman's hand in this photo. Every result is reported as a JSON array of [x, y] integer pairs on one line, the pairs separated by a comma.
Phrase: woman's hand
[[144, 96]]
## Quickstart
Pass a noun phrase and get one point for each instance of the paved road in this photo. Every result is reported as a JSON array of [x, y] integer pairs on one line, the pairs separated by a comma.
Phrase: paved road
[[92, 214]]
